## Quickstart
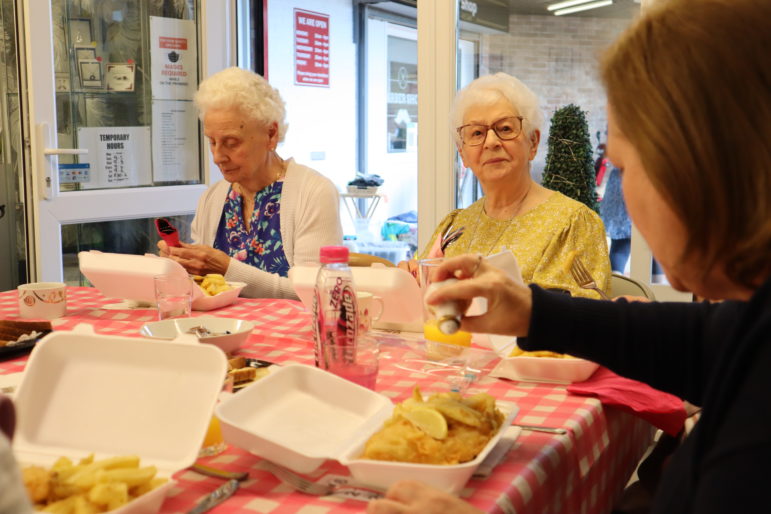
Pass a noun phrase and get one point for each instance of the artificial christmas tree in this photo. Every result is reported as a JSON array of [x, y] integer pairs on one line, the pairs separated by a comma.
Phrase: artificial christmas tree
[[569, 160]]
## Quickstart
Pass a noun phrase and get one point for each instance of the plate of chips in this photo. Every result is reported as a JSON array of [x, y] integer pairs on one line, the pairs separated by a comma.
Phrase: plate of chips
[[214, 292]]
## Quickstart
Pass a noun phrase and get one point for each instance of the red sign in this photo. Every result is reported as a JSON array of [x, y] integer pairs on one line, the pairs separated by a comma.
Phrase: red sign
[[175, 43], [311, 48]]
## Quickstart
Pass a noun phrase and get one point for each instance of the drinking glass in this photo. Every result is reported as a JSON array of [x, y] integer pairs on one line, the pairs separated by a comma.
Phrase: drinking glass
[[213, 442], [355, 362], [174, 296]]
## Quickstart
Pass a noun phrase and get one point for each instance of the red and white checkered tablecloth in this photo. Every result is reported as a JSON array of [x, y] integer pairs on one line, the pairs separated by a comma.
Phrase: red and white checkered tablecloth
[[583, 471]]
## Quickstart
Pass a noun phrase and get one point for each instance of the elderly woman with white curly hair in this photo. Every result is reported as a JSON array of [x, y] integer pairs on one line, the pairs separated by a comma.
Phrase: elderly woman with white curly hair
[[496, 123], [268, 213]]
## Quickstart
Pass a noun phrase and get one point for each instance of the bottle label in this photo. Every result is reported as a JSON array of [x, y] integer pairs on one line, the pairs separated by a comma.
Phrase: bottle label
[[318, 321], [335, 322]]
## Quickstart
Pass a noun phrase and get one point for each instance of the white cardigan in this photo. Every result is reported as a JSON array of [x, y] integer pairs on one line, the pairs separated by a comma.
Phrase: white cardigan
[[310, 219]]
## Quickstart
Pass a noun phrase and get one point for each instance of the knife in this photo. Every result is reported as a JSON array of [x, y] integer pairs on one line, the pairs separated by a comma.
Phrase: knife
[[216, 497]]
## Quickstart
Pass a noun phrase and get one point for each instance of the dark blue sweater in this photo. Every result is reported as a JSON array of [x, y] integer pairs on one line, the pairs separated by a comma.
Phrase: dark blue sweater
[[714, 355]]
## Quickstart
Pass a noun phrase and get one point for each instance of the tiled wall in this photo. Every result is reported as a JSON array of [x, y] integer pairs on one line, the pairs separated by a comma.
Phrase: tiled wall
[[557, 57]]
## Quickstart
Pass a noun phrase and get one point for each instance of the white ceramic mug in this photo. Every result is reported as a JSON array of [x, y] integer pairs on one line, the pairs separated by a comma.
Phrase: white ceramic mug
[[370, 309], [42, 300]]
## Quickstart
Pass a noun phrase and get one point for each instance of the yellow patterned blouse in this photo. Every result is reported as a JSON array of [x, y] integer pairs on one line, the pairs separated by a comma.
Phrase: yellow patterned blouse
[[541, 239]]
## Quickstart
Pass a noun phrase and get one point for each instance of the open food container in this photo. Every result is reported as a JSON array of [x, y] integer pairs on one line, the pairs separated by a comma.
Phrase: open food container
[[323, 417], [538, 369], [130, 277], [84, 393], [402, 299]]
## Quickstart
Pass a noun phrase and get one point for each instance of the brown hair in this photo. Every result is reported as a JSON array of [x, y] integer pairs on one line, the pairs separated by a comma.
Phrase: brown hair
[[690, 84]]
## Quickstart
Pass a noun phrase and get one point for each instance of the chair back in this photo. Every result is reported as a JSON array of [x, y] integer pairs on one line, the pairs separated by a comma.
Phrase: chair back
[[621, 285], [365, 259]]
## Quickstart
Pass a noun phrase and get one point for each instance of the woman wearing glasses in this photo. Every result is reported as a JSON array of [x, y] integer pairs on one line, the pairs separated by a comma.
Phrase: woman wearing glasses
[[497, 123]]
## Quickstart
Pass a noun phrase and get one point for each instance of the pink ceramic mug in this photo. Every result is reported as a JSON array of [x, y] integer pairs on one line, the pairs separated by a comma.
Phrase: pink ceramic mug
[[42, 300]]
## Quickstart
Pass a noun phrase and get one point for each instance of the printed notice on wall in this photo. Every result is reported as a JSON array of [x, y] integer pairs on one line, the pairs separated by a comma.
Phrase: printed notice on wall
[[117, 156], [311, 48], [174, 57], [175, 141]]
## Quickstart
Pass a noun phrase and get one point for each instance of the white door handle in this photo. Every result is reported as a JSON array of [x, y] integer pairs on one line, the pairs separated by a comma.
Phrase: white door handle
[[47, 164], [65, 151]]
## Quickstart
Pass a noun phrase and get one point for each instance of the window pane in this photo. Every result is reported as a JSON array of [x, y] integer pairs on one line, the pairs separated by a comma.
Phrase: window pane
[[345, 118], [13, 251], [136, 237], [125, 76], [556, 56]]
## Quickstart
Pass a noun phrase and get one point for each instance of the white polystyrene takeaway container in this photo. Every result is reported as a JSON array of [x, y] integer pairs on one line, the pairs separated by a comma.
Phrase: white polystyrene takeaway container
[[85, 393]]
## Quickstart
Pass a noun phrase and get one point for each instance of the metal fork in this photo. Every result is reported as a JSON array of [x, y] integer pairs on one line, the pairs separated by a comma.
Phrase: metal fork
[[450, 236], [306, 486], [584, 279]]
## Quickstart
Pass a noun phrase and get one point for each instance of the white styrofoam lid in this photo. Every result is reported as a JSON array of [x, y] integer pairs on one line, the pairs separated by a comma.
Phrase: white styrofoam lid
[[130, 277], [299, 416], [402, 299], [87, 393]]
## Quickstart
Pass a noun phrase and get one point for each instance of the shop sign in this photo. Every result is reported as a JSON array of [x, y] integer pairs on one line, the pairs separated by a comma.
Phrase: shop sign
[[311, 48], [492, 14]]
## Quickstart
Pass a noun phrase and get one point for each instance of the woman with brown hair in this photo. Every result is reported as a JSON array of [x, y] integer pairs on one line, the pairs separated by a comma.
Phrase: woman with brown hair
[[689, 121]]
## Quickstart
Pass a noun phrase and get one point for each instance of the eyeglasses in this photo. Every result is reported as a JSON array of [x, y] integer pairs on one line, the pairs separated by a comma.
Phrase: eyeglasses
[[506, 129]]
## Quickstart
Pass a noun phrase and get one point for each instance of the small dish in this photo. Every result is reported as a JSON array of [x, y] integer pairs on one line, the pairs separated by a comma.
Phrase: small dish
[[204, 302], [227, 334], [14, 350]]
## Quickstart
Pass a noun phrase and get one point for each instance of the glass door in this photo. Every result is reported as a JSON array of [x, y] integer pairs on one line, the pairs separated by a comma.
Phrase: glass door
[[115, 136], [13, 260]]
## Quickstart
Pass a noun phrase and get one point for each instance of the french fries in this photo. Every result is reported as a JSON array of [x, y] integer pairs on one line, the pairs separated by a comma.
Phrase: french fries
[[212, 284], [90, 486], [519, 352]]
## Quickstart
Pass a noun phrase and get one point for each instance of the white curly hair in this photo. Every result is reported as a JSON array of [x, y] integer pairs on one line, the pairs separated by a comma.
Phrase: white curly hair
[[487, 90], [246, 91]]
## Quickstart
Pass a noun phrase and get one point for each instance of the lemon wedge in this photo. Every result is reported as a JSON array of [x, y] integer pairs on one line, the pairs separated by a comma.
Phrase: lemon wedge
[[428, 420]]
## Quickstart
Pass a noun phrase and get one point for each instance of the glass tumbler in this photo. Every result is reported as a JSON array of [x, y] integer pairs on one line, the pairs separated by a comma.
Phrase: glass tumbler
[[173, 295]]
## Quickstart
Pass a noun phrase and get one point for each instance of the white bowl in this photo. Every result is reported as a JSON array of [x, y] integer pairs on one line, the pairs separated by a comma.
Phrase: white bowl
[[204, 302], [326, 417], [233, 332]]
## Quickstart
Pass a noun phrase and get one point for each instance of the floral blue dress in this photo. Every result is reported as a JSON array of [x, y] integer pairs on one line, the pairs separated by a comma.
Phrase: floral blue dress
[[260, 244]]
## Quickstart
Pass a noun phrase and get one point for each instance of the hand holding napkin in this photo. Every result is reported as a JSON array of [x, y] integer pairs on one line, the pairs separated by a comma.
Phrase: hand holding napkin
[[663, 410]]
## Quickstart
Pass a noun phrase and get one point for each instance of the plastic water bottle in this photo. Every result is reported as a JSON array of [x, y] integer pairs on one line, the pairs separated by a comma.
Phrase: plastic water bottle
[[335, 313]]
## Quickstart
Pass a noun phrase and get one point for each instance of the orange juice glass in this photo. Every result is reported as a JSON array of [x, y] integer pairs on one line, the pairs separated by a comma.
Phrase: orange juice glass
[[213, 443]]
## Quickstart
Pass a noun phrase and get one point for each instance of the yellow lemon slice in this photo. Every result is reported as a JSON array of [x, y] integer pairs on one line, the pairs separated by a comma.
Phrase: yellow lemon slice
[[428, 420]]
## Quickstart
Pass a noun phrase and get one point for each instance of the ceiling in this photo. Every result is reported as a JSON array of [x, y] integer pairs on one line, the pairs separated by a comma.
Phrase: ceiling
[[626, 9], [620, 9]]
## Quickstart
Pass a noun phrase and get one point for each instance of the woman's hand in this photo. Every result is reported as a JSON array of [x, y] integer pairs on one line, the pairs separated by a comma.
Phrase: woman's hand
[[410, 267], [163, 248], [197, 259], [509, 303], [409, 497]]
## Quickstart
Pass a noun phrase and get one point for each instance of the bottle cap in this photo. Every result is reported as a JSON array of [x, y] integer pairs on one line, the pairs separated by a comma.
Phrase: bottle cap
[[449, 325], [330, 254]]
